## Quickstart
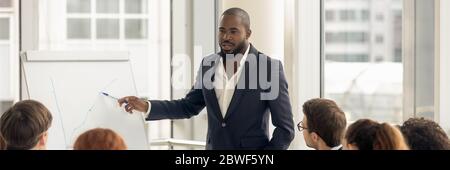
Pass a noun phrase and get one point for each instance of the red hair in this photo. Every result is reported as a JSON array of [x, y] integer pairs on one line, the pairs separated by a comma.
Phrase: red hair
[[100, 139]]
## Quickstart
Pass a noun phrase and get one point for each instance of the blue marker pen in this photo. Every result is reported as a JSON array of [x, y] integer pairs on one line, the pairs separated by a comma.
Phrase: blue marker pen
[[115, 98]]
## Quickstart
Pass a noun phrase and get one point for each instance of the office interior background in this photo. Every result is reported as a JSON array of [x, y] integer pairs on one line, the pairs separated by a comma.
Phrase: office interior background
[[386, 60]]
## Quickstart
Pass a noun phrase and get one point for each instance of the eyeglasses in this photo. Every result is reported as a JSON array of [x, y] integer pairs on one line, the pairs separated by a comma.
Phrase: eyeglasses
[[300, 126]]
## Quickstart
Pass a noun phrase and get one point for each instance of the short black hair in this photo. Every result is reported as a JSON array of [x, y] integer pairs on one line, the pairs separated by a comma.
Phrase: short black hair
[[423, 134], [245, 18], [325, 118]]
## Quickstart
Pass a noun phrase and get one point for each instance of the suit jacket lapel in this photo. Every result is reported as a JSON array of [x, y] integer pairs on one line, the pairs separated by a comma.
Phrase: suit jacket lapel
[[210, 94], [238, 93]]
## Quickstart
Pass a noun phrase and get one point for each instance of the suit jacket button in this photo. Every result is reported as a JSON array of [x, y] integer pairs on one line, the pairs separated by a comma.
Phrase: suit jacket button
[[224, 125]]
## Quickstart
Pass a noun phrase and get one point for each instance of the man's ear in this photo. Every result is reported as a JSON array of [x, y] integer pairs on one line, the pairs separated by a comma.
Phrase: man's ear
[[43, 140], [315, 137], [249, 34]]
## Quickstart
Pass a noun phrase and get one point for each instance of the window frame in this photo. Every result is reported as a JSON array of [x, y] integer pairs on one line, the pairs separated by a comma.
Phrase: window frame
[[9, 17], [122, 16], [369, 39], [442, 90], [306, 61], [442, 63], [10, 9], [12, 13], [411, 45]]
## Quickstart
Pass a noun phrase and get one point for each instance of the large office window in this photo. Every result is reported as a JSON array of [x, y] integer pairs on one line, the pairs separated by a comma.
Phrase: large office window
[[8, 52], [122, 25], [6, 3], [107, 19], [363, 71], [5, 49]]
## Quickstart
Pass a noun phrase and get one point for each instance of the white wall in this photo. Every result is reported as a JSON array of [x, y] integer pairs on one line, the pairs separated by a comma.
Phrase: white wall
[[194, 32], [307, 65], [443, 105], [205, 43], [267, 24]]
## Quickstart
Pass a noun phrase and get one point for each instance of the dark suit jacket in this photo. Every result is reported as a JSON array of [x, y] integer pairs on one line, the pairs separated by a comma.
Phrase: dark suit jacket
[[246, 124]]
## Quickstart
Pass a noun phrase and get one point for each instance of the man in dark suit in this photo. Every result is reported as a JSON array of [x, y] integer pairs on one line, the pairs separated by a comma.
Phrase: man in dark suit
[[239, 86]]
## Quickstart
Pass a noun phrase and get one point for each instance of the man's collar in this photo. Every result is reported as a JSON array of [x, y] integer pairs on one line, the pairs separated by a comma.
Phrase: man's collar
[[339, 147]]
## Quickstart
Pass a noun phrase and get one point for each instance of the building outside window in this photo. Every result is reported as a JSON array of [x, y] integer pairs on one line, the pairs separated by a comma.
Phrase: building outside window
[[362, 67]]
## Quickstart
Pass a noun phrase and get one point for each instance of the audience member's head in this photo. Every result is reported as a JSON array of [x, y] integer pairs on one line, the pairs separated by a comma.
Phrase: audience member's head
[[370, 135], [323, 124], [100, 139], [423, 134], [24, 126]]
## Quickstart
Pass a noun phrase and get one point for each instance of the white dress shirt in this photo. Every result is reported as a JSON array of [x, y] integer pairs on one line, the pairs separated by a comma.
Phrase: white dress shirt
[[336, 148], [224, 84]]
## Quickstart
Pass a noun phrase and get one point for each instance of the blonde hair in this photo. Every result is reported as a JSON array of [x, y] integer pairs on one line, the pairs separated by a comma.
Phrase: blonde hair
[[389, 138]]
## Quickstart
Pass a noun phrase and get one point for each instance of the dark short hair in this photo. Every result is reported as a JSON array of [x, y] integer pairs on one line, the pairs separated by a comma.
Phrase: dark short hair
[[326, 119], [423, 134], [245, 18], [23, 124]]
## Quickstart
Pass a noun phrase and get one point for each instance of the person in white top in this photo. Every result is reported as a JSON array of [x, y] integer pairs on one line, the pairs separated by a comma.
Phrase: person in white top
[[240, 88]]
